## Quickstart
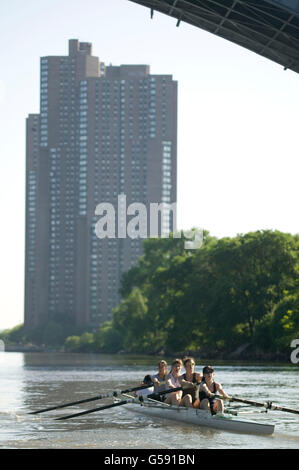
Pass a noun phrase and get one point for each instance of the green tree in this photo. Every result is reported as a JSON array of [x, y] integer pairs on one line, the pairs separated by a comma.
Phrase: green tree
[[285, 322], [72, 343], [249, 275], [131, 322], [107, 339], [87, 342]]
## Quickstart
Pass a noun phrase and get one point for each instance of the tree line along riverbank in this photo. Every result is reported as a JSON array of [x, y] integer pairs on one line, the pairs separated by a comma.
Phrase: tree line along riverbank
[[232, 298]]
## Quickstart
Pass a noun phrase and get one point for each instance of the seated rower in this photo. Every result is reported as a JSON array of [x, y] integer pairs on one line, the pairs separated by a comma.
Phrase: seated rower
[[159, 380], [146, 391], [207, 390], [192, 378], [172, 381]]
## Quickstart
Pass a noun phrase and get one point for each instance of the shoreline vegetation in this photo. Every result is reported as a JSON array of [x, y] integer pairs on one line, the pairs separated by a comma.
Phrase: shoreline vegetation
[[232, 299], [249, 357]]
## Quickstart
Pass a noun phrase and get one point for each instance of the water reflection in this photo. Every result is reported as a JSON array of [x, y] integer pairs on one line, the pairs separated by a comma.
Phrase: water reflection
[[74, 360]]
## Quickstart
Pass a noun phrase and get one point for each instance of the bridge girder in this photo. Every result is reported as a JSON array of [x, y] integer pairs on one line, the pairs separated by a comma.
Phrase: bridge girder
[[269, 28]]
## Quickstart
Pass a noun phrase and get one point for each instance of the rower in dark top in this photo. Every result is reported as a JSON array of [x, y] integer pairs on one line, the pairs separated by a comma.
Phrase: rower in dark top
[[207, 391], [190, 395]]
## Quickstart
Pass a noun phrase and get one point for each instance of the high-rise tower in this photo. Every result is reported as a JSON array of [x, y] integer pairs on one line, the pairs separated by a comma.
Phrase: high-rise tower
[[103, 131]]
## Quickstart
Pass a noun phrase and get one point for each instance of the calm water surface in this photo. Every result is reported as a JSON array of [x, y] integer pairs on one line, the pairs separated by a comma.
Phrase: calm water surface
[[31, 381]]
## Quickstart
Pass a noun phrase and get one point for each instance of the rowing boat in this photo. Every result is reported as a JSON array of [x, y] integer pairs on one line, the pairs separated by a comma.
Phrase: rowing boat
[[199, 417]]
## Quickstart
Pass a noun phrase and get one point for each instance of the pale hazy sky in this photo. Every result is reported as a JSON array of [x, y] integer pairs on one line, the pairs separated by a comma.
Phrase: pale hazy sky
[[238, 118]]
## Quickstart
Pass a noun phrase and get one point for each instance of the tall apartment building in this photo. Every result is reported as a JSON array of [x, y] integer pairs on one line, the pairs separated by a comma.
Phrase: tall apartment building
[[102, 131]]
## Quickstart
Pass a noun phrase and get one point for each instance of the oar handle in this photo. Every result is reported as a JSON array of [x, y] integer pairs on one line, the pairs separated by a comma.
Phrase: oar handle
[[134, 389], [164, 392], [247, 402], [241, 400]]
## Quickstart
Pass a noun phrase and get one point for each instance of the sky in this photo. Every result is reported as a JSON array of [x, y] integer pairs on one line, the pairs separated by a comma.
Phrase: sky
[[238, 118]]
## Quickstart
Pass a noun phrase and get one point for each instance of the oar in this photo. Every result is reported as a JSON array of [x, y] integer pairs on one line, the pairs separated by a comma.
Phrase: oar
[[123, 402], [282, 408], [268, 405], [170, 390], [115, 393]]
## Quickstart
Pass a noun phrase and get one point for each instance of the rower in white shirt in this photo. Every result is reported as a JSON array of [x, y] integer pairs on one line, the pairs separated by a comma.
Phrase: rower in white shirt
[[172, 381]]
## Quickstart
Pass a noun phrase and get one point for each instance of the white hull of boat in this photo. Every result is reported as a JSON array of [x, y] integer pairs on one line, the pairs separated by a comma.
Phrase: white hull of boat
[[202, 418]]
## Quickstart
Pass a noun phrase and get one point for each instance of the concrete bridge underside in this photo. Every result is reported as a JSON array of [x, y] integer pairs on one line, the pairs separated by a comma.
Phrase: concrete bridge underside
[[269, 28]]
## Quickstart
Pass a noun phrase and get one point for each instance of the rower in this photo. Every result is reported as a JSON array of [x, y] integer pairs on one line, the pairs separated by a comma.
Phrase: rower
[[159, 380], [172, 381], [192, 378], [146, 391], [156, 382], [207, 390]]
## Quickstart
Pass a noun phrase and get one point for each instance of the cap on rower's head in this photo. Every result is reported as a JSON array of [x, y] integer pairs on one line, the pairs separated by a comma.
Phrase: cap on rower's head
[[208, 370], [147, 380]]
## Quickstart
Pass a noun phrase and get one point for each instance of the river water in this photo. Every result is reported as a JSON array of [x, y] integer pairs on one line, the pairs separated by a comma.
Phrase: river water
[[31, 381]]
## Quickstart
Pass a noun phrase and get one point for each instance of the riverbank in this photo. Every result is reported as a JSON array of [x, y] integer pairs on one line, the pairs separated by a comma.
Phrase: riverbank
[[243, 355]]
